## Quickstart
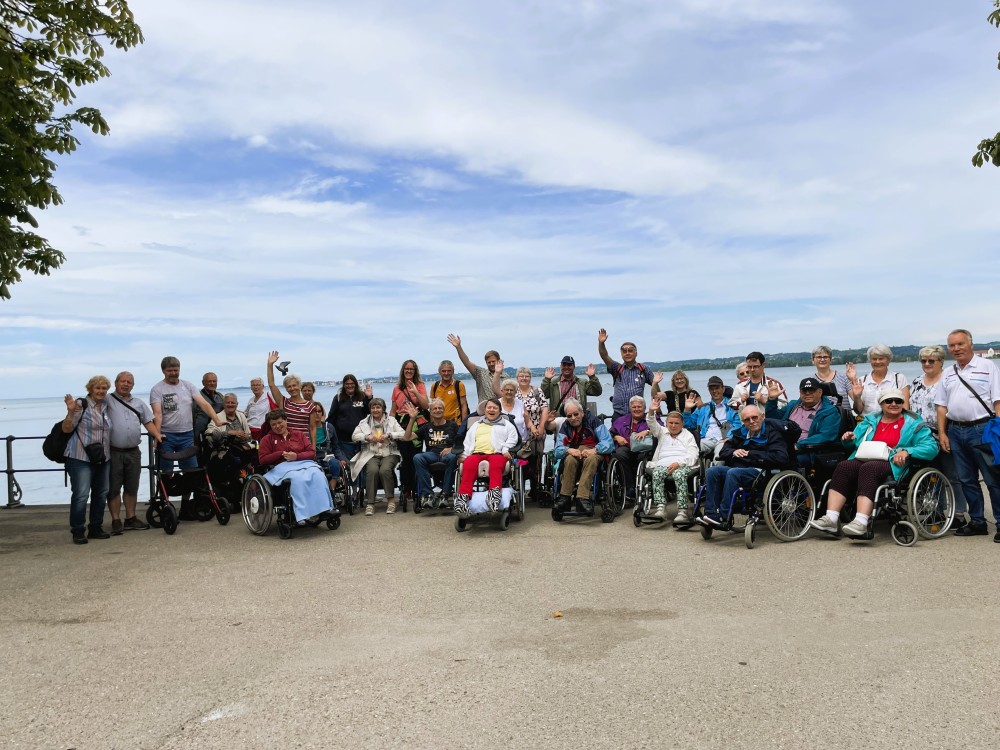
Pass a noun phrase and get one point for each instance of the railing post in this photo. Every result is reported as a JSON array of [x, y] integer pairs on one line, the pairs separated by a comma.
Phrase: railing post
[[13, 489]]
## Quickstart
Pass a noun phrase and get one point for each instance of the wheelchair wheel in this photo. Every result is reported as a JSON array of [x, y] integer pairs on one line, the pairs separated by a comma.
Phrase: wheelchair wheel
[[706, 532], [222, 512], [607, 515], [258, 507], [460, 524], [637, 516], [750, 534], [789, 505], [505, 520], [284, 530], [154, 516], [169, 518], [556, 515], [614, 486], [930, 503], [333, 523], [904, 533]]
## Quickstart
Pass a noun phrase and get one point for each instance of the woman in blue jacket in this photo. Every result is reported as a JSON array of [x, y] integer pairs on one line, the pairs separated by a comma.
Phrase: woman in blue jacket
[[907, 437]]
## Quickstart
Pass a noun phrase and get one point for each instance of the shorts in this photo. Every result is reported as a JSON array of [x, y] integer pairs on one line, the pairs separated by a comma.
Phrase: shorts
[[126, 469]]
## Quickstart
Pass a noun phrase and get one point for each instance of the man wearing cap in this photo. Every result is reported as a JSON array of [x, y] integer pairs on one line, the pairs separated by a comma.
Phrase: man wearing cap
[[818, 418], [568, 385], [968, 396], [630, 377], [715, 420], [754, 388]]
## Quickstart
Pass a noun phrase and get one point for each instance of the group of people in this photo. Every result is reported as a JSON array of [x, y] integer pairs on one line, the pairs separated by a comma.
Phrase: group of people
[[941, 416]]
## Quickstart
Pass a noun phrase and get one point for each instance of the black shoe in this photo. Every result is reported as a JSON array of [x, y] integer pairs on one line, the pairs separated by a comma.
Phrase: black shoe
[[563, 503], [960, 522], [96, 532], [996, 537], [79, 537], [973, 529], [586, 506], [116, 527]]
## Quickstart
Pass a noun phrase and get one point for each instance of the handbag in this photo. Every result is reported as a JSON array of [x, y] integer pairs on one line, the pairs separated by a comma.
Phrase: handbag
[[95, 453], [872, 450], [640, 444]]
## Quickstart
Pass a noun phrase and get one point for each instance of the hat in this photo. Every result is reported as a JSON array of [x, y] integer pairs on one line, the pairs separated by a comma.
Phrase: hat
[[568, 360], [715, 380], [890, 393], [810, 384]]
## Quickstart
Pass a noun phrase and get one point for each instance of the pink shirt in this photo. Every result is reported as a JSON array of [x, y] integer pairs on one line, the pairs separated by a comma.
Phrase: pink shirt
[[400, 400]]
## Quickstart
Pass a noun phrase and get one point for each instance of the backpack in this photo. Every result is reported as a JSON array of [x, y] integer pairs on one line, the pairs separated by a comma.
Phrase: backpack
[[616, 375], [54, 445]]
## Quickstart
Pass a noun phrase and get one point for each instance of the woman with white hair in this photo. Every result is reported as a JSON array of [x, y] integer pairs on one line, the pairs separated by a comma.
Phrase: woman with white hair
[[866, 390], [535, 414], [300, 412]]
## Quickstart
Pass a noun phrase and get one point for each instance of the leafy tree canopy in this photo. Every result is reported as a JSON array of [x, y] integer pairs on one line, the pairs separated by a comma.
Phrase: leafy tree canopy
[[48, 48], [989, 149]]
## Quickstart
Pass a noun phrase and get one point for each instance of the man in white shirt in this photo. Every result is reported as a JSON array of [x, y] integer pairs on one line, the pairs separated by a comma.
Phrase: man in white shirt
[[967, 398], [257, 407]]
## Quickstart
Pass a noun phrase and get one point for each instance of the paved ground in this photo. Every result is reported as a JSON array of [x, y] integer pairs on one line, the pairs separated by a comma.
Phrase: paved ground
[[397, 632]]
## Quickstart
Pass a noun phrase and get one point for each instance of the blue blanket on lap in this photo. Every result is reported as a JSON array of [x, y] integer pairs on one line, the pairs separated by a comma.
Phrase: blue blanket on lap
[[309, 489]]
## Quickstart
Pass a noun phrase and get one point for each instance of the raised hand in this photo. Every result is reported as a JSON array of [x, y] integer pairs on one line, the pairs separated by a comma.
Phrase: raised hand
[[602, 336], [773, 390], [851, 371], [857, 388], [499, 366], [72, 405], [454, 340], [550, 372], [591, 370], [658, 378], [368, 390], [410, 409], [690, 401], [654, 403], [271, 359]]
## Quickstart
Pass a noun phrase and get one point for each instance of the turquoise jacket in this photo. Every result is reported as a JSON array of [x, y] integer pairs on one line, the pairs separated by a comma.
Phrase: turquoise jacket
[[916, 439]]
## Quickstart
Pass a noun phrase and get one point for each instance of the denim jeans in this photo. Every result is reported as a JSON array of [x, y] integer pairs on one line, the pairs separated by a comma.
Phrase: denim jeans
[[87, 480], [969, 463], [721, 484], [946, 463], [174, 442], [422, 465]]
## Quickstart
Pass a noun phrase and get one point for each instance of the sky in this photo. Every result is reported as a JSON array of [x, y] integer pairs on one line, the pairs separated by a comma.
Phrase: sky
[[349, 182]]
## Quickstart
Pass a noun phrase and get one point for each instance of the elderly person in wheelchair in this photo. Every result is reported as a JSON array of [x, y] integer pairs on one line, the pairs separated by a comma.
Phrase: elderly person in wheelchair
[[632, 439], [581, 444], [289, 454], [676, 456], [491, 439], [758, 445], [885, 445]]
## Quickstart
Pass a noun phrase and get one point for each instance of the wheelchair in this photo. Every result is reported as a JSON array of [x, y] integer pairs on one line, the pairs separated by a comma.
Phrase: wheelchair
[[920, 505], [610, 498], [442, 504], [263, 501], [644, 506], [513, 481], [229, 460], [203, 503]]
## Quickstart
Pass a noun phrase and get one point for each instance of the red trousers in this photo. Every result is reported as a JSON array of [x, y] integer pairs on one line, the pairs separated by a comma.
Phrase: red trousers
[[470, 470]]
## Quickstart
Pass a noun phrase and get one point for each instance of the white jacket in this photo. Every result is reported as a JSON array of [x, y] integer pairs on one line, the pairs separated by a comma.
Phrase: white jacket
[[503, 437], [681, 449], [368, 450]]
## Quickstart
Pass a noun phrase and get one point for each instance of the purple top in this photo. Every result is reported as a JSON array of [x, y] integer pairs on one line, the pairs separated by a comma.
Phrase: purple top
[[623, 425]]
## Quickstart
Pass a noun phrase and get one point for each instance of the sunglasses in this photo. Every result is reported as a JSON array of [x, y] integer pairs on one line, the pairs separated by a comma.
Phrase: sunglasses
[[896, 401], [929, 361]]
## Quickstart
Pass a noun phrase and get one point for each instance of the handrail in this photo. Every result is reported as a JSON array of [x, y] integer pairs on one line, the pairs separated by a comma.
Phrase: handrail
[[14, 491]]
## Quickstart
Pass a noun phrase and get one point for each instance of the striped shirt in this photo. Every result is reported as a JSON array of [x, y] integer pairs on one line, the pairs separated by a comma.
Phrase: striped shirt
[[94, 427], [298, 414]]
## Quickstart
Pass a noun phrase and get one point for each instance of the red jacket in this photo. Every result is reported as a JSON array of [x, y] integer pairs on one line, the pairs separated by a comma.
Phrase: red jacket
[[272, 446]]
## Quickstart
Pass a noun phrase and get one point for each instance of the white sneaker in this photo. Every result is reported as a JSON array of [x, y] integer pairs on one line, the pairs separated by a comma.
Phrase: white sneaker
[[661, 511], [391, 508], [826, 524], [856, 528], [369, 510], [682, 516]]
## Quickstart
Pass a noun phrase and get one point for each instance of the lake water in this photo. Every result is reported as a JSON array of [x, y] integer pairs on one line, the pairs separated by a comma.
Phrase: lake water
[[24, 418]]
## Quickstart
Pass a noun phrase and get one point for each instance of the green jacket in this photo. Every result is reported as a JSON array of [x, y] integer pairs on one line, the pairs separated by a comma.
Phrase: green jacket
[[584, 387]]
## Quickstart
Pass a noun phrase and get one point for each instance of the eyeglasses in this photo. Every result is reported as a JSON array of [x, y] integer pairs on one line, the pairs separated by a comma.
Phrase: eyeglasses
[[750, 419], [628, 349], [896, 401], [821, 356], [929, 361]]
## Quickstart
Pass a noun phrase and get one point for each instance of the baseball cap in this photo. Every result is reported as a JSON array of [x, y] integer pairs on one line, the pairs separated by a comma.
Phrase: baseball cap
[[568, 360], [810, 384]]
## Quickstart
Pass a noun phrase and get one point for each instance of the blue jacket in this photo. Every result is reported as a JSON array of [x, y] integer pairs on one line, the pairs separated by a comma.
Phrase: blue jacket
[[701, 418], [915, 438], [768, 450], [825, 427], [605, 445]]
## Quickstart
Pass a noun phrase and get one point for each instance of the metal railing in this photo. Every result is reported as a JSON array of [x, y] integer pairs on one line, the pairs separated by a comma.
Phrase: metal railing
[[14, 491]]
